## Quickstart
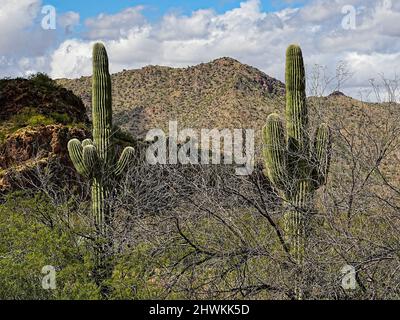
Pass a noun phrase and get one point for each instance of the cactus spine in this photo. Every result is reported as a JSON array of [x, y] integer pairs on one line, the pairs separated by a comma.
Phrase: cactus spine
[[95, 159], [294, 166]]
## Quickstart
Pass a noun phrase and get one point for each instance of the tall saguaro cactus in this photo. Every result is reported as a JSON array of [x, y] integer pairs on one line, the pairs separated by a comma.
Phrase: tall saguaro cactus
[[95, 159], [294, 165]]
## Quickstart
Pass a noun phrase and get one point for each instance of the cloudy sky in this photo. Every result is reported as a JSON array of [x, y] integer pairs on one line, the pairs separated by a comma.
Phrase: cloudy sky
[[363, 34]]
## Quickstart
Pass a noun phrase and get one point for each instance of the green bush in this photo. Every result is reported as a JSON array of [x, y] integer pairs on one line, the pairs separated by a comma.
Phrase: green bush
[[34, 236], [63, 118], [39, 119], [136, 276], [29, 117], [42, 80], [28, 244], [3, 135]]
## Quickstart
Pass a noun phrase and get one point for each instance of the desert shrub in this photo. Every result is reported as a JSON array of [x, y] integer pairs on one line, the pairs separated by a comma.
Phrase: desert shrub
[[28, 244], [29, 117], [136, 276], [43, 81], [122, 136], [3, 135], [34, 235], [63, 118], [39, 119]]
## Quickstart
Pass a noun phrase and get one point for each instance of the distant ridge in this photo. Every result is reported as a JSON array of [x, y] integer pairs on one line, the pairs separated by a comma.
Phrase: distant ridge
[[223, 93], [337, 94]]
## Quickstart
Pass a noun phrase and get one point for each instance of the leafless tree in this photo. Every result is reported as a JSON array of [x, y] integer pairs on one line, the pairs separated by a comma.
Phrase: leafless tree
[[212, 234]]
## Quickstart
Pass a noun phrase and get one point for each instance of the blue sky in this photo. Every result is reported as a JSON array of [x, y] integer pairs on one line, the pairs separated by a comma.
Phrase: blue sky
[[363, 34], [157, 8]]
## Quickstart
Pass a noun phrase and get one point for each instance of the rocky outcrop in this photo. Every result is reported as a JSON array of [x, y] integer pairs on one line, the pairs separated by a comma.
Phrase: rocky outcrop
[[37, 119], [31, 147], [19, 94], [38, 142]]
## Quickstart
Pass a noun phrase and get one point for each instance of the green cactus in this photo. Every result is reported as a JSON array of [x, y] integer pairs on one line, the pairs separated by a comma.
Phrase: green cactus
[[95, 159], [294, 166]]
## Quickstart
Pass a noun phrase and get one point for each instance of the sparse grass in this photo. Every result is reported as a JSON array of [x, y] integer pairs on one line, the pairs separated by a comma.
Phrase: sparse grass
[[30, 117], [63, 118], [37, 120]]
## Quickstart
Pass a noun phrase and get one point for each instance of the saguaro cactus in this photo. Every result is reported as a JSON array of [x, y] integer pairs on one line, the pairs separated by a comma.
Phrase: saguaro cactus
[[295, 166], [95, 159]]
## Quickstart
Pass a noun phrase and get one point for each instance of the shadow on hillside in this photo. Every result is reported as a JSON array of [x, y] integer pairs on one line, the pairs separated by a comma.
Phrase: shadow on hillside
[[135, 121]]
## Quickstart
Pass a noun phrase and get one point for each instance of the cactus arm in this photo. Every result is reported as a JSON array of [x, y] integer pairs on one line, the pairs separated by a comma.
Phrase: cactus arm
[[296, 108], [91, 159], [125, 159], [102, 104], [87, 142], [275, 151], [294, 166], [322, 152], [75, 150]]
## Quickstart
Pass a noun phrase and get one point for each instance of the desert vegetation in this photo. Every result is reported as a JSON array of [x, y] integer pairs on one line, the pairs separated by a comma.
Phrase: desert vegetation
[[323, 196]]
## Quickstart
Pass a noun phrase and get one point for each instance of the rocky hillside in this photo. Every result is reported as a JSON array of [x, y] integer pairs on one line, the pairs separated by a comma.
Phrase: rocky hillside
[[227, 94], [37, 118], [221, 94]]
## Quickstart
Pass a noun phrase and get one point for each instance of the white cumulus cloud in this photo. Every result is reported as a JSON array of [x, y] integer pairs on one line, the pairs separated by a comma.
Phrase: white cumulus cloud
[[246, 33]]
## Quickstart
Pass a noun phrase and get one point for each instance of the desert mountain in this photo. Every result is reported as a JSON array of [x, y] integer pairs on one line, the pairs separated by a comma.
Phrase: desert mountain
[[221, 94], [225, 93]]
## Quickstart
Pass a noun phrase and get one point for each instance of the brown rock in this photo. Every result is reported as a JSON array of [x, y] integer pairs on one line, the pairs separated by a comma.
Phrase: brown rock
[[18, 94], [37, 142], [30, 147]]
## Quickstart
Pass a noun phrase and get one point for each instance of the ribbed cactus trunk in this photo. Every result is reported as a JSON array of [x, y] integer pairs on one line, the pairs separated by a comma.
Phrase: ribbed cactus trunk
[[102, 105], [294, 167], [298, 149], [96, 161], [102, 138]]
